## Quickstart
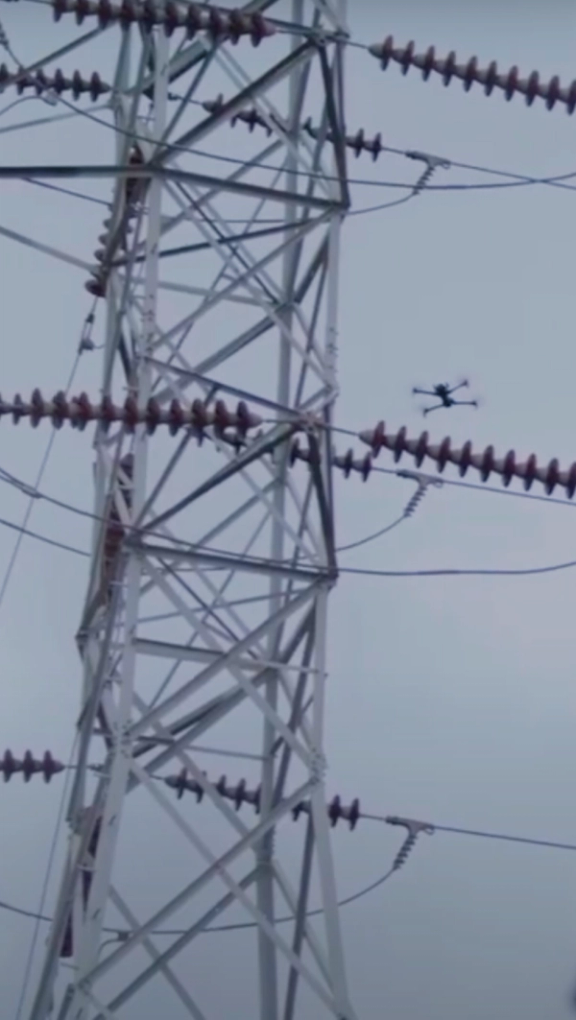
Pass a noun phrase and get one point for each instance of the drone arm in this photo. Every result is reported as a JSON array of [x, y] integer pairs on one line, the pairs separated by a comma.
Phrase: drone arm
[[425, 393]]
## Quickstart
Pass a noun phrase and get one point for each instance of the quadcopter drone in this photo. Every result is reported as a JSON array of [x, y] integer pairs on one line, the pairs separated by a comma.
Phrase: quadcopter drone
[[444, 393]]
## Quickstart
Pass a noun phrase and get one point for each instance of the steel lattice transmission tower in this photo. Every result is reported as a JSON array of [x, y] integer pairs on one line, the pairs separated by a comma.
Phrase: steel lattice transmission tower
[[206, 609]]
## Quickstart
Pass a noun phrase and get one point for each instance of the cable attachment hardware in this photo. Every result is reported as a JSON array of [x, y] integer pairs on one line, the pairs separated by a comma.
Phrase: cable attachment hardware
[[433, 163], [509, 83], [485, 462], [423, 481], [414, 829], [219, 24], [415, 500], [420, 478], [29, 766]]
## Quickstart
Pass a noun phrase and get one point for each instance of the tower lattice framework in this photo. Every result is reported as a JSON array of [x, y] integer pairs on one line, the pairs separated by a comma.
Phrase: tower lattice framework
[[205, 618]]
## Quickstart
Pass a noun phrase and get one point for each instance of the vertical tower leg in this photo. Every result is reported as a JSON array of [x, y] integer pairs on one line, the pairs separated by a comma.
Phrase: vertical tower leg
[[206, 610]]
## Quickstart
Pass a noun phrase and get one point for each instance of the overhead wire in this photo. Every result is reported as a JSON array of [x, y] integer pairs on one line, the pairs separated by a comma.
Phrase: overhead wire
[[413, 189], [457, 572], [408, 511], [353, 898], [45, 884], [26, 532], [23, 528], [358, 571], [423, 480], [38, 916], [518, 180], [359, 894], [373, 536]]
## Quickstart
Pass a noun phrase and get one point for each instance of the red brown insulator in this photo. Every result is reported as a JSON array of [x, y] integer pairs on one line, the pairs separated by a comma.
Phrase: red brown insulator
[[9, 765], [182, 783], [80, 410], [241, 794], [96, 285], [336, 811], [346, 463], [509, 83], [29, 766], [251, 117], [112, 240], [194, 18], [485, 462], [40, 83], [358, 143]]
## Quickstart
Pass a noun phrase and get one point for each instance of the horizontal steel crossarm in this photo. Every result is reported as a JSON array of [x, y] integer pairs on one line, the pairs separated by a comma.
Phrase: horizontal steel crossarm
[[225, 562], [148, 172], [183, 653]]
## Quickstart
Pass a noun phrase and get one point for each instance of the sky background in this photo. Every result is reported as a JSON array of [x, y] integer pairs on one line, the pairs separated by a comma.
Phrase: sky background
[[451, 699]]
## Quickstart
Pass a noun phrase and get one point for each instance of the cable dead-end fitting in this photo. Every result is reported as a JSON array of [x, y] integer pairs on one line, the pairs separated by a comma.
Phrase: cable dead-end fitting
[[414, 829], [434, 162]]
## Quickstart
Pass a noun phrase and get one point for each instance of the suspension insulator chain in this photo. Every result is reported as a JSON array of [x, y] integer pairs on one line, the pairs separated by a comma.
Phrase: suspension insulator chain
[[58, 83], [29, 766], [346, 463], [80, 411], [194, 18], [358, 143], [510, 83], [485, 462], [240, 794]]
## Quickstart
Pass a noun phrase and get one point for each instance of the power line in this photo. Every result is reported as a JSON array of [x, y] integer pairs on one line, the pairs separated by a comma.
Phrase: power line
[[353, 898], [517, 181], [364, 891], [409, 510], [26, 532], [373, 536], [44, 890], [22, 529], [358, 571], [449, 572]]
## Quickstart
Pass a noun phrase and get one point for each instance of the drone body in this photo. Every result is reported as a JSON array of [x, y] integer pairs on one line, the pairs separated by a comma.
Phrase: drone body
[[444, 394]]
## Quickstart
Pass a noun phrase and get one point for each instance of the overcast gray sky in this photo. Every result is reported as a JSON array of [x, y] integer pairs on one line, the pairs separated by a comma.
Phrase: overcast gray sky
[[451, 699]]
